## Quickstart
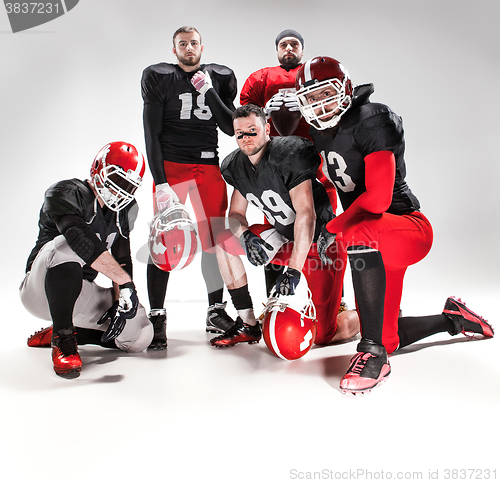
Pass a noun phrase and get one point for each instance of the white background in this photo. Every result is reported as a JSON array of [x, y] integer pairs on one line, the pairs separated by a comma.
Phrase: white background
[[195, 414]]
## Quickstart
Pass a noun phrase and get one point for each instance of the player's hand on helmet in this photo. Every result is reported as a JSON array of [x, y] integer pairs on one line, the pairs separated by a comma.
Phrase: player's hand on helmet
[[122, 309], [165, 196], [287, 282], [291, 102], [254, 247], [201, 82], [274, 104], [325, 240]]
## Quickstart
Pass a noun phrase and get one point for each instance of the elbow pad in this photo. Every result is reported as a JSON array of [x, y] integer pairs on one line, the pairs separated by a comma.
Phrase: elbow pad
[[84, 242]]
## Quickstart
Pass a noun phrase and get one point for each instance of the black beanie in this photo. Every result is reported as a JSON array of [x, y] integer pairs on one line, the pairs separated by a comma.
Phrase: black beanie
[[289, 33]]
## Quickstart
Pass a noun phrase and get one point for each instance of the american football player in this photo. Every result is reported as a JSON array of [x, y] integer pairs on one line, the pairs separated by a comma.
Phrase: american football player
[[84, 229], [184, 103], [270, 88], [362, 146], [278, 176]]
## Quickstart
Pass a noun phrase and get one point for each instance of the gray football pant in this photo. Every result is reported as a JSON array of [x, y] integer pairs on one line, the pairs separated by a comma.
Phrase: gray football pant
[[91, 304]]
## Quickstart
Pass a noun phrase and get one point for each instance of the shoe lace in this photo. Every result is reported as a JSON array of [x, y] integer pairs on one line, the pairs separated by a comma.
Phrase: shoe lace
[[360, 362], [68, 346]]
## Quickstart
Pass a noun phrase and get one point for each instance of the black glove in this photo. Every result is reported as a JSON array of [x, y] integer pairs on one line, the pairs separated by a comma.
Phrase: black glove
[[325, 239], [287, 282], [128, 300], [254, 248], [124, 308]]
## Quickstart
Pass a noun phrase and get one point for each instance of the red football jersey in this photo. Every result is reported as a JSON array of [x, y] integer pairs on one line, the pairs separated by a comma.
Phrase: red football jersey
[[264, 83]]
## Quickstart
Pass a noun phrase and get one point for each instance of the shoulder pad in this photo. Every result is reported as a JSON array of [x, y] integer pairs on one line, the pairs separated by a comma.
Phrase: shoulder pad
[[161, 68], [362, 94], [218, 69], [69, 197], [228, 159]]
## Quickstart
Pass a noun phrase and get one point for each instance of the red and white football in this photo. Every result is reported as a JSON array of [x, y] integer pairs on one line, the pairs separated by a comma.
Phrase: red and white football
[[285, 121]]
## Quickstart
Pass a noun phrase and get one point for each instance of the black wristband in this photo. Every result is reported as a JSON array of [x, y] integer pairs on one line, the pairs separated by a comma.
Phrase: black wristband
[[127, 285], [293, 272]]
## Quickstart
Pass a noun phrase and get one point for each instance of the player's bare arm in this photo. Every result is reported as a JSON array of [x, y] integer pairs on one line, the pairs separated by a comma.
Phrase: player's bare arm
[[238, 222]]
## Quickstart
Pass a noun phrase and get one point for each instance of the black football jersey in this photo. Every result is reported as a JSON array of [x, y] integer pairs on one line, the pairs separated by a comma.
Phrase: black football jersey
[[287, 162], [189, 128], [364, 129], [75, 197]]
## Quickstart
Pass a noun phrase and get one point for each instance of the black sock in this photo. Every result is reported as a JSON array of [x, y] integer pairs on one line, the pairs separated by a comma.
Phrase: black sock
[[157, 280], [92, 336], [215, 297], [411, 329], [213, 279], [241, 298], [368, 279], [63, 285]]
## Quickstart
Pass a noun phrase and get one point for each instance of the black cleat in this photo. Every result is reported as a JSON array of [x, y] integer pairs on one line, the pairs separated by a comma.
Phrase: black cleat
[[158, 318], [465, 320], [368, 368], [217, 319], [237, 334]]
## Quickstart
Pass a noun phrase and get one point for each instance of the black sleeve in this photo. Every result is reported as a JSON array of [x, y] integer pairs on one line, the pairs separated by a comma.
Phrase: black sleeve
[[300, 160], [80, 237], [222, 112], [153, 125], [222, 104], [121, 253], [153, 122]]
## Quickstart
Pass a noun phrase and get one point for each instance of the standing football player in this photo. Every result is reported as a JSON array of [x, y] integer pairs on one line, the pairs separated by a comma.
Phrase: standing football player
[[79, 222], [362, 146], [278, 176], [184, 103]]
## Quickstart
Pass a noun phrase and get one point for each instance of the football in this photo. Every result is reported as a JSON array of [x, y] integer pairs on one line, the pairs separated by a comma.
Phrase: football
[[285, 121]]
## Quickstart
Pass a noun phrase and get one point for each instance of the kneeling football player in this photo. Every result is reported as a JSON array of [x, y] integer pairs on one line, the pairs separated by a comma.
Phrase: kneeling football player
[[278, 176], [79, 222]]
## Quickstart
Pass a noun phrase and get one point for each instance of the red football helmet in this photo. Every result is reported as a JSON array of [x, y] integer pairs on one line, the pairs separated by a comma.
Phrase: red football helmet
[[172, 239], [289, 325], [116, 173], [324, 91]]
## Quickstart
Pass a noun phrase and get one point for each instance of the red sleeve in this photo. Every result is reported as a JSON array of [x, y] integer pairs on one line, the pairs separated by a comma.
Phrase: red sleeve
[[380, 174], [252, 91]]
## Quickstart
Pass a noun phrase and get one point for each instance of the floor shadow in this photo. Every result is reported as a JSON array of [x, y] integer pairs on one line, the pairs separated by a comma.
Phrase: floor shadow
[[424, 345]]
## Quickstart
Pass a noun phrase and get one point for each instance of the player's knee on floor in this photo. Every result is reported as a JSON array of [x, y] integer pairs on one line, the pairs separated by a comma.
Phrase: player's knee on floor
[[137, 335]]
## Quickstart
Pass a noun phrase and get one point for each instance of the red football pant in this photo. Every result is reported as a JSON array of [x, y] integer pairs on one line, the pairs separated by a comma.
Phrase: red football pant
[[208, 194], [402, 240]]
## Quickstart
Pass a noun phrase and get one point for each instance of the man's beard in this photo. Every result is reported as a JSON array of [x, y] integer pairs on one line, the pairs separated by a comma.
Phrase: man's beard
[[190, 61], [255, 150], [290, 62]]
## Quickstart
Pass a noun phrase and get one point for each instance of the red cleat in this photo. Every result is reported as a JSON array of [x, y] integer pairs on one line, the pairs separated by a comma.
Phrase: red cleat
[[465, 320], [238, 333], [42, 338], [65, 357]]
